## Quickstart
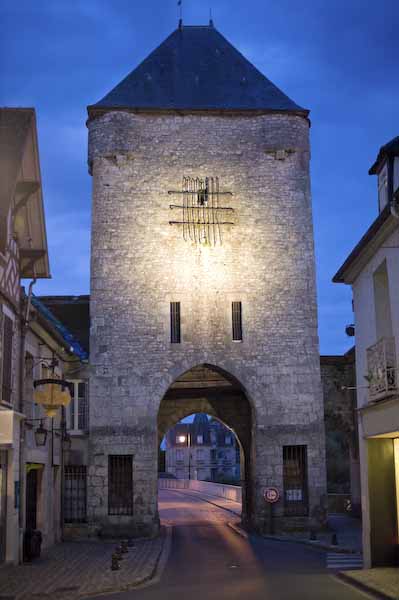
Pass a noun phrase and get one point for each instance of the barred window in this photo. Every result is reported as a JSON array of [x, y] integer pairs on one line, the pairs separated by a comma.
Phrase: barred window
[[75, 480], [175, 323], [120, 484], [7, 359], [236, 314], [295, 480]]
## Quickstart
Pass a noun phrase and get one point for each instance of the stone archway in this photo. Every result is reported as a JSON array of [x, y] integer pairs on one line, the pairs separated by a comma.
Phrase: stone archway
[[208, 389]]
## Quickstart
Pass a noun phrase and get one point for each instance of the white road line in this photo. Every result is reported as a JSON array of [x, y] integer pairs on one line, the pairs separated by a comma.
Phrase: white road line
[[344, 561]]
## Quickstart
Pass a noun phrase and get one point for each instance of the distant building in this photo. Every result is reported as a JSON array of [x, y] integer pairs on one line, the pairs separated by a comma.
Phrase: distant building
[[204, 449], [372, 269]]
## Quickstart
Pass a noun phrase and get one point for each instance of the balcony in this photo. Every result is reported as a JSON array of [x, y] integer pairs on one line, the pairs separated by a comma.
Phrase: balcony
[[382, 371]]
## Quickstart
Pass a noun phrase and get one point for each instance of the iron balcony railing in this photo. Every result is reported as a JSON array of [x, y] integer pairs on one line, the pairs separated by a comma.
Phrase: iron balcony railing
[[382, 371]]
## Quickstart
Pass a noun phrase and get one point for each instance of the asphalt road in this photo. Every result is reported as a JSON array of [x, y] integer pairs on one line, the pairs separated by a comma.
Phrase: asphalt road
[[209, 561]]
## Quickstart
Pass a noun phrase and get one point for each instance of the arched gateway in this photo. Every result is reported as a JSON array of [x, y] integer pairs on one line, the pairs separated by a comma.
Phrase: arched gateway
[[202, 265], [208, 389]]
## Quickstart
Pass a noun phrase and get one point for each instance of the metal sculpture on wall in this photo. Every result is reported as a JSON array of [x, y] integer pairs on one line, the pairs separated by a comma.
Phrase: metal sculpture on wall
[[202, 218]]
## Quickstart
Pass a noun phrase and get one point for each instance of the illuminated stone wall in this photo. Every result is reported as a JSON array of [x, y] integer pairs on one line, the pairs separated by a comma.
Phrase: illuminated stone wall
[[140, 264]]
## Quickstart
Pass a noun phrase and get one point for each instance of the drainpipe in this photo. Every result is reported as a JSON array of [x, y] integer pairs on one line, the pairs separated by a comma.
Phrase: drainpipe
[[24, 327]]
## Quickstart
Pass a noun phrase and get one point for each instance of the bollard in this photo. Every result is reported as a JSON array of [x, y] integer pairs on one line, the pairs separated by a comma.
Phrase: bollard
[[115, 562], [312, 535], [118, 552], [124, 548], [334, 540]]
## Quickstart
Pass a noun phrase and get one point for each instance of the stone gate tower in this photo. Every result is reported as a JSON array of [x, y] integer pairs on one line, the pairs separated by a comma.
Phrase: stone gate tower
[[202, 280]]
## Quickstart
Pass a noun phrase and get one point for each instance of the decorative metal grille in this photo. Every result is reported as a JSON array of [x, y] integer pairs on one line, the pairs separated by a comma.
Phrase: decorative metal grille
[[381, 363], [7, 359], [120, 485], [75, 485], [295, 480], [202, 218], [236, 310], [175, 323]]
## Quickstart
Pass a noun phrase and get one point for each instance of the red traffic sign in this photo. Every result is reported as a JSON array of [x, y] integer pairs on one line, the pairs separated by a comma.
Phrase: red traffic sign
[[271, 495]]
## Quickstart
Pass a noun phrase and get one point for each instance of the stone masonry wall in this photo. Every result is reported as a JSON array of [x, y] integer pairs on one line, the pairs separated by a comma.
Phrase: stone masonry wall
[[140, 264]]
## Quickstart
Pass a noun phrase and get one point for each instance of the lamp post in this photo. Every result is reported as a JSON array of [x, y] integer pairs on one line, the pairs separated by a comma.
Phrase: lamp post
[[182, 439]]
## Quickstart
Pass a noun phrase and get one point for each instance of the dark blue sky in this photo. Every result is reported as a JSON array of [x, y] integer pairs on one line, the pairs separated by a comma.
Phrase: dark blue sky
[[338, 58]]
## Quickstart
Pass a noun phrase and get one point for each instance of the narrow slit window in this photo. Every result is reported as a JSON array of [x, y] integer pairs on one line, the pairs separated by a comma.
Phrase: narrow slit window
[[237, 321], [175, 337]]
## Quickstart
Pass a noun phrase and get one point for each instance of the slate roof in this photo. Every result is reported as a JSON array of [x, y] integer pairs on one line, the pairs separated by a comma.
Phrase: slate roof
[[196, 68], [389, 149]]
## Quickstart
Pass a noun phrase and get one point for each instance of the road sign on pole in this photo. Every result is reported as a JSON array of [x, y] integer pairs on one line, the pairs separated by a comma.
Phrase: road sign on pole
[[271, 495]]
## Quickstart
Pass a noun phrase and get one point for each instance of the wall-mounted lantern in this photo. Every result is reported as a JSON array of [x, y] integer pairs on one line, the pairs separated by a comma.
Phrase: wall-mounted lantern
[[41, 435]]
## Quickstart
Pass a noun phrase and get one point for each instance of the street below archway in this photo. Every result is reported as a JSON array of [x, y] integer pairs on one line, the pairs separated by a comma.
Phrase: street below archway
[[210, 560]]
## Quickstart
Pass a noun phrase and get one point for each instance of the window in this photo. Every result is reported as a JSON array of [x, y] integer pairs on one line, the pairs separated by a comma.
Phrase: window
[[200, 454], [75, 494], [200, 439], [79, 407], [214, 455], [175, 323], [213, 437], [383, 187], [7, 359], [295, 480], [227, 440], [179, 455], [236, 313], [120, 484]]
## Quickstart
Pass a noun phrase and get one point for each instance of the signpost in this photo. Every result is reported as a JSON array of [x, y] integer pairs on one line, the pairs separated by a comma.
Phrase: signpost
[[271, 496]]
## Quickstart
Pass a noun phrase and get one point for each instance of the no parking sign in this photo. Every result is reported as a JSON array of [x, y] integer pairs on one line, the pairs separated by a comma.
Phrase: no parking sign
[[271, 495]]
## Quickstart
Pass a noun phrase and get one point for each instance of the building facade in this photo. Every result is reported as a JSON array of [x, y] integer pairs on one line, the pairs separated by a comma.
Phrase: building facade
[[204, 449], [202, 281], [33, 346], [372, 269]]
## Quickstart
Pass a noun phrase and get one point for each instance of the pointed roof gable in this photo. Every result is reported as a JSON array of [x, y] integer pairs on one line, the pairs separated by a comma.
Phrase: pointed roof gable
[[196, 68]]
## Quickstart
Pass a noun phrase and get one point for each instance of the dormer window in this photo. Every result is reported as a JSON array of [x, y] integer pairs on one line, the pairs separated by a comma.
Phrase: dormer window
[[383, 187]]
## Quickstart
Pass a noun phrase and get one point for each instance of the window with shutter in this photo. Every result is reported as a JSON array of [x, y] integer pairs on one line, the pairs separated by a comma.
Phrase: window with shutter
[[7, 359], [175, 322], [236, 314]]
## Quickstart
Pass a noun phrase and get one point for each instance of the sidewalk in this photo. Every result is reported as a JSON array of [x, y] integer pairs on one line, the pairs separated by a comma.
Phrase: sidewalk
[[78, 569], [348, 530], [383, 580]]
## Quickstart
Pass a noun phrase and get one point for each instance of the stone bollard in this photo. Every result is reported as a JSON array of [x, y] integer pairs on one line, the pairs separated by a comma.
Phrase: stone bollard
[[334, 540], [118, 552], [115, 562], [124, 548]]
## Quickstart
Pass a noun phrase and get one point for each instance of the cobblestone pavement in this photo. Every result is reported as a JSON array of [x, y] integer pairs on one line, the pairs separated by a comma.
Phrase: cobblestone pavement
[[79, 569]]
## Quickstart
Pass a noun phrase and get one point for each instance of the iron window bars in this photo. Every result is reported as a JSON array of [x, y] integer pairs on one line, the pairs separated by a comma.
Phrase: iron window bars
[[120, 484], [75, 480], [202, 217], [295, 480]]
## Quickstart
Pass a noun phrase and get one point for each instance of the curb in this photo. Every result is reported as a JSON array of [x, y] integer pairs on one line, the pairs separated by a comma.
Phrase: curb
[[311, 544], [362, 586], [145, 581], [238, 530]]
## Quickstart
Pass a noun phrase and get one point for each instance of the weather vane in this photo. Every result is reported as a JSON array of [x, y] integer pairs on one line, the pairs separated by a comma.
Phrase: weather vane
[[179, 4]]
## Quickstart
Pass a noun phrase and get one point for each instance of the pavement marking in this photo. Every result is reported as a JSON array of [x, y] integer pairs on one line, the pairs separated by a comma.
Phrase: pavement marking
[[344, 562]]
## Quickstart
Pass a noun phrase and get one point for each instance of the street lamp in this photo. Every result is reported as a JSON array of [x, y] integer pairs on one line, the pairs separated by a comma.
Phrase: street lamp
[[40, 435]]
